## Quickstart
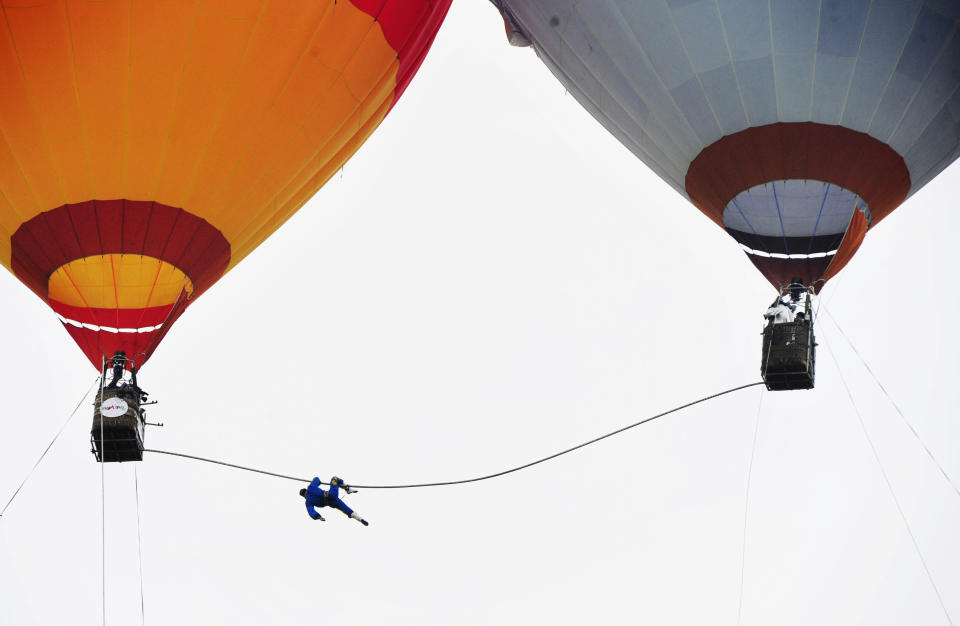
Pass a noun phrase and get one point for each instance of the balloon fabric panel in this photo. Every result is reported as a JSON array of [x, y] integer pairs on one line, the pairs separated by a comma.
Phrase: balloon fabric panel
[[859, 95], [147, 147]]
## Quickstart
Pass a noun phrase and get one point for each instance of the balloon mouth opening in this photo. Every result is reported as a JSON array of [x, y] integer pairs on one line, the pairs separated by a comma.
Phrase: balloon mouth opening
[[778, 255], [109, 329]]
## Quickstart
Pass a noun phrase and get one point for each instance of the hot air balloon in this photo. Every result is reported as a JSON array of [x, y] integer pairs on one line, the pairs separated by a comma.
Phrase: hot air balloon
[[794, 125], [146, 146]]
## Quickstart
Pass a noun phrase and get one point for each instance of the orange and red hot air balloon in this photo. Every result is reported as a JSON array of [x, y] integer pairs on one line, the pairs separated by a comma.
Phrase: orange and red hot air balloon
[[146, 147]]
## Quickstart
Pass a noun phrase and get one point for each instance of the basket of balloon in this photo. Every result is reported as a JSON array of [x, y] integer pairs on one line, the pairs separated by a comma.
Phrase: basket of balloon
[[117, 431]]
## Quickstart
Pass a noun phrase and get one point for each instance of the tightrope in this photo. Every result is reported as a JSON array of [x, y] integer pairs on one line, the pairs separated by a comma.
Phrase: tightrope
[[478, 478]]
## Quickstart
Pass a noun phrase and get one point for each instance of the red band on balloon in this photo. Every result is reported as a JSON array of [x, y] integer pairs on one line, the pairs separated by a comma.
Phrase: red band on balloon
[[798, 151], [100, 344], [74, 231], [409, 26], [856, 231]]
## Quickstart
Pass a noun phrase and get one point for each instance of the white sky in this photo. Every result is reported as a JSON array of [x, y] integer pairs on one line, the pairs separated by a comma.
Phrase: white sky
[[491, 280]]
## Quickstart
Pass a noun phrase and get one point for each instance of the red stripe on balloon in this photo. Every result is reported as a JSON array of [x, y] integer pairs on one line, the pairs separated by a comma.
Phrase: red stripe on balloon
[[856, 231], [409, 26], [74, 231], [781, 272], [100, 344], [97, 344], [798, 151], [113, 318]]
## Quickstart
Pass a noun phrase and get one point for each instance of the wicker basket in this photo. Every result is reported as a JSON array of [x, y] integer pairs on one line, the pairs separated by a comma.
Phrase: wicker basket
[[789, 357], [116, 415]]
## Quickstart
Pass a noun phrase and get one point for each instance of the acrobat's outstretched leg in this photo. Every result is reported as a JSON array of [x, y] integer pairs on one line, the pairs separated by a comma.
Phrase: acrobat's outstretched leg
[[340, 504]]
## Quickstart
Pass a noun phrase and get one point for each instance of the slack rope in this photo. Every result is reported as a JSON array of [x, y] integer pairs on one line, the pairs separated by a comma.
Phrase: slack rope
[[746, 509], [479, 478], [886, 480], [136, 490], [896, 407], [103, 499], [50, 445]]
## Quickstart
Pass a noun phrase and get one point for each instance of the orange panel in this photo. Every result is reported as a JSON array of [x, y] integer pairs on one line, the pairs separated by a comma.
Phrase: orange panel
[[98, 30], [142, 136], [42, 38], [27, 174], [162, 34], [205, 88], [301, 190], [277, 45]]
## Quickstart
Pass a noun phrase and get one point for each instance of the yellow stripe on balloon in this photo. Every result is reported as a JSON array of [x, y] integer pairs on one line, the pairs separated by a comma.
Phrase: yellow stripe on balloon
[[124, 281]]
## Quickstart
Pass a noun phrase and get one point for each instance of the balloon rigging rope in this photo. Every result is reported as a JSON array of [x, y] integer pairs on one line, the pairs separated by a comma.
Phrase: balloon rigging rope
[[479, 478], [746, 508], [886, 479], [103, 504], [903, 417], [50, 445], [136, 490]]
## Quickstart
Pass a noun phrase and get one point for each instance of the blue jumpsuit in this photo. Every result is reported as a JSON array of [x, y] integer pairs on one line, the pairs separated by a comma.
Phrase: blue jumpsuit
[[317, 497]]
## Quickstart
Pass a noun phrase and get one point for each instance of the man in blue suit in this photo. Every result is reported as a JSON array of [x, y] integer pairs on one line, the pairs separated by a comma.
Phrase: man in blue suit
[[315, 496]]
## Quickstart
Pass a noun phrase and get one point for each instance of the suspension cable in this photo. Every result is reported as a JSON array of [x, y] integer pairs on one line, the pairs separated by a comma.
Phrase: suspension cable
[[746, 508], [103, 501], [886, 479], [903, 417], [50, 445], [136, 490], [479, 478]]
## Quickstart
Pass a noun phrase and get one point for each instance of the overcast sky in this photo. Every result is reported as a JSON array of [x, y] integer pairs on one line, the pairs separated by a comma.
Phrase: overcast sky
[[490, 280]]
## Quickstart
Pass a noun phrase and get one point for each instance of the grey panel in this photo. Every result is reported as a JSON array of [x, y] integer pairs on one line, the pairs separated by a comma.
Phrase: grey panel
[[831, 82], [653, 25], [623, 110], [630, 66], [948, 8], [593, 60], [757, 87], [692, 101], [869, 81], [925, 43], [897, 96], [534, 19], [792, 208], [795, 26], [841, 26], [794, 76], [942, 82], [888, 26], [747, 24], [938, 147], [723, 94], [597, 31], [702, 36], [661, 103], [628, 110], [629, 134]]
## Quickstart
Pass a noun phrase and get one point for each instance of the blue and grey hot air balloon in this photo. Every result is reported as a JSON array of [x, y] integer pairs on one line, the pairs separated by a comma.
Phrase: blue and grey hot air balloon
[[795, 125]]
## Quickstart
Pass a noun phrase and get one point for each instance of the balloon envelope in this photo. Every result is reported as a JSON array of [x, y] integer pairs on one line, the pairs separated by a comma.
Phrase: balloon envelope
[[794, 125], [146, 147]]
